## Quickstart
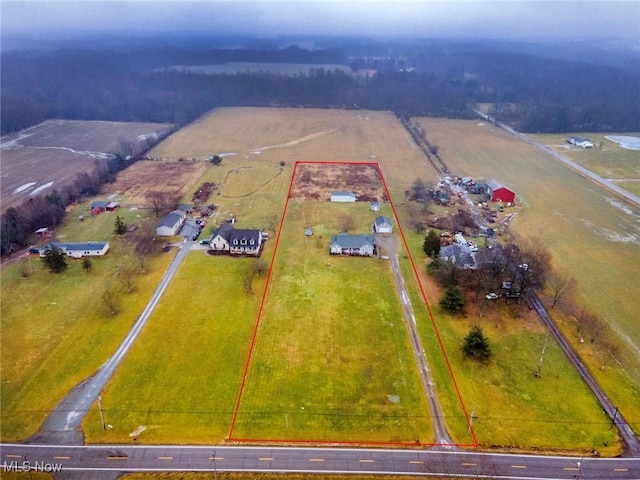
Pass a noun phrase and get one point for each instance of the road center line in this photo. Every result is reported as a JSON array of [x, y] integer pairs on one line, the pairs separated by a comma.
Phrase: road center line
[[316, 459], [416, 461], [265, 459], [468, 464], [11, 455], [518, 466], [620, 469], [62, 458], [165, 458], [216, 458], [366, 460], [570, 469]]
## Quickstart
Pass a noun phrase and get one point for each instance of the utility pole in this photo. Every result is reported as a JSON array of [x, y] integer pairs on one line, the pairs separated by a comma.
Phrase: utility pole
[[104, 427]]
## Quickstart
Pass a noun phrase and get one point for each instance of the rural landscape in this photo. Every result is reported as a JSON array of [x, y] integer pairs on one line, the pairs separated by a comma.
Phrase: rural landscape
[[401, 274]]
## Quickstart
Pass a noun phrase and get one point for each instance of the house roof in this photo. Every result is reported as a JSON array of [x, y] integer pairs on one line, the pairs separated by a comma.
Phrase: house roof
[[342, 193], [223, 230], [112, 204], [381, 221], [344, 240], [185, 208], [461, 253], [80, 246], [99, 204], [231, 234], [171, 219], [494, 185]]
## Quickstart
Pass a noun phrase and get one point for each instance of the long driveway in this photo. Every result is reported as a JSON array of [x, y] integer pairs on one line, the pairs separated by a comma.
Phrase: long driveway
[[63, 423], [389, 244]]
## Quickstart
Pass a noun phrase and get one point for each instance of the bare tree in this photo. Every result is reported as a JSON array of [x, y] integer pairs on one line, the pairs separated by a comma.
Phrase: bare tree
[[415, 218], [259, 267], [127, 275], [110, 301], [561, 284], [163, 201], [347, 222]]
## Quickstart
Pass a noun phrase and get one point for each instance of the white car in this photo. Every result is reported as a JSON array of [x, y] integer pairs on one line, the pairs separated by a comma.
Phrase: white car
[[491, 296]]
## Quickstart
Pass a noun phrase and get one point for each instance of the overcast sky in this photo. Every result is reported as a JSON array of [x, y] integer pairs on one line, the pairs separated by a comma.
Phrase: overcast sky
[[516, 19]]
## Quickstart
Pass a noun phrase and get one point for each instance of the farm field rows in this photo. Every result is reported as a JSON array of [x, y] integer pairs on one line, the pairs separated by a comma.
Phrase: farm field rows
[[51, 154], [592, 235], [607, 159]]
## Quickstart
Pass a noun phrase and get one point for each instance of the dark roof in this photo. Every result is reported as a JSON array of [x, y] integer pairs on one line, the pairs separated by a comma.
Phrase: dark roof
[[223, 230], [171, 219], [99, 204], [72, 246], [352, 241], [382, 220]]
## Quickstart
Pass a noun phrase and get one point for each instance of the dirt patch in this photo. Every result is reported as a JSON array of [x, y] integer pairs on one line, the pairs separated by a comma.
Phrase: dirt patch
[[317, 181], [150, 175]]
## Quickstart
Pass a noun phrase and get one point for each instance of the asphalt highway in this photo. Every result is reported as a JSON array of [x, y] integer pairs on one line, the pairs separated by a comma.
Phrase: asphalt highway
[[121, 458]]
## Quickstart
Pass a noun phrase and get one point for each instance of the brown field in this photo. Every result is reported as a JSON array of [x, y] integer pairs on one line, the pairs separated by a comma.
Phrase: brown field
[[51, 154], [146, 176], [316, 182]]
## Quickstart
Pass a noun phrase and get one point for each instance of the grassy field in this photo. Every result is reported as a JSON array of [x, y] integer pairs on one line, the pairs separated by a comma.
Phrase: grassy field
[[55, 330], [332, 360], [591, 235], [54, 151], [607, 159], [181, 378]]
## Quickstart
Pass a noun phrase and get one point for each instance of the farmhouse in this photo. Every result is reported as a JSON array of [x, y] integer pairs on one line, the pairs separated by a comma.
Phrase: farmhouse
[[498, 192], [101, 206], [170, 224], [382, 224], [459, 255], [344, 197], [344, 244], [231, 241], [78, 250], [580, 142]]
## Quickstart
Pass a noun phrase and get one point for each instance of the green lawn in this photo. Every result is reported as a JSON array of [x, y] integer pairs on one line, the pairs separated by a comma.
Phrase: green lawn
[[332, 360], [181, 378], [55, 329], [512, 407]]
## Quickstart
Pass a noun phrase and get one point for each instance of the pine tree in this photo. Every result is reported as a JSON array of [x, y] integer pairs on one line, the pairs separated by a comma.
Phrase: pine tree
[[55, 259], [119, 226], [431, 245], [452, 301], [476, 345]]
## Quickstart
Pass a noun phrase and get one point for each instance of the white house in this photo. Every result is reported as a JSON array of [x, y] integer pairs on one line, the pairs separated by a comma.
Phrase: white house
[[78, 250], [382, 224], [580, 142], [344, 197], [231, 241], [171, 223], [344, 244]]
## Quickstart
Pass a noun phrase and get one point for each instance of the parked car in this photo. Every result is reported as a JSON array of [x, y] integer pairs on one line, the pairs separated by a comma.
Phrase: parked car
[[491, 296]]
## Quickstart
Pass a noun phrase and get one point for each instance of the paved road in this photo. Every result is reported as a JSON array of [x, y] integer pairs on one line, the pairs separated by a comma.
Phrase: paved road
[[608, 185], [63, 423], [119, 458], [389, 243]]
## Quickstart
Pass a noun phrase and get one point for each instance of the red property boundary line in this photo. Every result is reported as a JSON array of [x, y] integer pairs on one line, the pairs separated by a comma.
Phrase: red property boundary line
[[422, 294]]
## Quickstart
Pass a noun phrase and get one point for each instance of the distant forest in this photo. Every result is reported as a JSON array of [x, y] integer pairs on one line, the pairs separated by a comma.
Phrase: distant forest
[[530, 92]]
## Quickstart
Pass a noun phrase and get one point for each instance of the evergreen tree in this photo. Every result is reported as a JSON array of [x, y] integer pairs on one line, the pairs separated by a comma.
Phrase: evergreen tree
[[119, 226], [452, 301], [87, 264], [476, 346], [431, 245], [55, 259], [216, 159]]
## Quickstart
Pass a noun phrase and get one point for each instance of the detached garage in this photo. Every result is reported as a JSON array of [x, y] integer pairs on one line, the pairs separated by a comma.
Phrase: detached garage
[[345, 197], [499, 193], [170, 224], [382, 225]]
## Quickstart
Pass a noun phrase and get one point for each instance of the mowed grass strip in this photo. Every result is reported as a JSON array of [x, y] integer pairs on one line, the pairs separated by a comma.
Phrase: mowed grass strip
[[181, 378], [332, 360], [592, 236], [56, 331]]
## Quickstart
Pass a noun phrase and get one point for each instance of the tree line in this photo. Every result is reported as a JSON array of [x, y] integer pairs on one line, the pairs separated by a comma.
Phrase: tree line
[[528, 92]]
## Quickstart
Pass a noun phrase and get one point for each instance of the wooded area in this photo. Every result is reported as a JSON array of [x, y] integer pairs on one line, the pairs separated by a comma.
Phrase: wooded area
[[529, 92]]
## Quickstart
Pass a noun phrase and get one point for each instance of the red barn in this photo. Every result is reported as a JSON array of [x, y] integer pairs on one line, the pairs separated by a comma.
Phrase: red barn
[[499, 193]]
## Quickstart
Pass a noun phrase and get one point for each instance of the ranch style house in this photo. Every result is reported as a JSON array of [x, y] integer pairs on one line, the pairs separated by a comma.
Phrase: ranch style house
[[345, 244], [231, 241], [78, 250]]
